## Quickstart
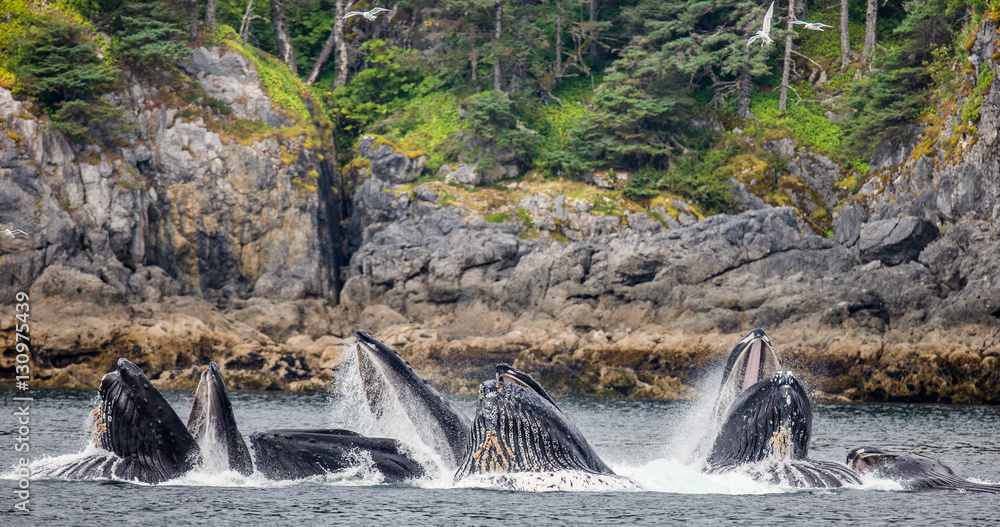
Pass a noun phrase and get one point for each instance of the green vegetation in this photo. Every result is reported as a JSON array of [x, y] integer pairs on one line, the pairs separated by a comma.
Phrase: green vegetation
[[57, 63], [526, 218], [497, 218], [149, 33], [645, 88], [970, 110], [281, 85]]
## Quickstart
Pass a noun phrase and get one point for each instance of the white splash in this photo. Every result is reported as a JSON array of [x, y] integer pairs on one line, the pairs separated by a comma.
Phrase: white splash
[[350, 410]]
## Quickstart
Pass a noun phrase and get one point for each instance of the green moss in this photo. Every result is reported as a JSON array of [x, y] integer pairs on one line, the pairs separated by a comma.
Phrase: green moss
[[428, 121], [970, 110], [447, 198], [497, 218], [604, 205], [281, 85], [849, 184], [241, 130]]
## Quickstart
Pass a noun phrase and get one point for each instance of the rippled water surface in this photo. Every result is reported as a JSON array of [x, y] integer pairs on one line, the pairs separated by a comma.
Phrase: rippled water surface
[[650, 441]]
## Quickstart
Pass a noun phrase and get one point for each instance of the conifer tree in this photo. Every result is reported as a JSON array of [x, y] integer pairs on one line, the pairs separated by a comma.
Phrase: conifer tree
[[57, 64], [707, 40], [150, 33]]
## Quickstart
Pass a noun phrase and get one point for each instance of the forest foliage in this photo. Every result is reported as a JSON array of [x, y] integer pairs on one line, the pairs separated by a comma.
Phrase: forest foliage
[[566, 87]]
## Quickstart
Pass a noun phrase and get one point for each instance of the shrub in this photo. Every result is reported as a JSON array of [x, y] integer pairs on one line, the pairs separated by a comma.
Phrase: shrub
[[57, 64]]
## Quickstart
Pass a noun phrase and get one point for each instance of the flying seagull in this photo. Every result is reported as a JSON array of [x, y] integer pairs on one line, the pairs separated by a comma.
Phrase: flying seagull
[[13, 233], [815, 26], [370, 15], [765, 33]]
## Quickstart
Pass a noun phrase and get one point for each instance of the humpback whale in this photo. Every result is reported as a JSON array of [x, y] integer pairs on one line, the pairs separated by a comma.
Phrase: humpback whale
[[912, 471], [211, 421], [767, 431], [388, 379], [519, 429], [296, 454], [752, 359], [764, 421], [138, 436]]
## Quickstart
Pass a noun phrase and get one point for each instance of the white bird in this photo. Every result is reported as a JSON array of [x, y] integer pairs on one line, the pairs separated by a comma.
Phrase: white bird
[[13, 233], [815, 26], [765, 33], [370, 15]]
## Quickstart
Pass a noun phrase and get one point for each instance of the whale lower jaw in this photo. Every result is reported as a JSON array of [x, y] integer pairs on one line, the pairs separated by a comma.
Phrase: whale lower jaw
[[558, 481]]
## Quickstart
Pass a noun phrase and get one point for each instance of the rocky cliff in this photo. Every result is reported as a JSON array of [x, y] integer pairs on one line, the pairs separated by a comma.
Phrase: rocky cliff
[[128, 243], [191, 240]]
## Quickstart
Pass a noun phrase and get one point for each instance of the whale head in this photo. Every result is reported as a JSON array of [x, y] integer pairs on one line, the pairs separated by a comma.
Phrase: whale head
[[770, 420], [389, 380], [212, 423], [752, 359], [137, 424], [518, 428]]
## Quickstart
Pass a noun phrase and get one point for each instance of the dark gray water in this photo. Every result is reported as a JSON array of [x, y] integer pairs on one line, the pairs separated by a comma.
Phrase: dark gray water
[[646, 440]]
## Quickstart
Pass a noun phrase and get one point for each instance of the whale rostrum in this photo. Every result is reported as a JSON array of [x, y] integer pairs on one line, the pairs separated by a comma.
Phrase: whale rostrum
[[389, 380]]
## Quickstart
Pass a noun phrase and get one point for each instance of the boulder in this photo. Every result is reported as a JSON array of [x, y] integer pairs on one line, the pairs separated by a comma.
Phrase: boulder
[[895, 241], [388, 164], [461, 174]]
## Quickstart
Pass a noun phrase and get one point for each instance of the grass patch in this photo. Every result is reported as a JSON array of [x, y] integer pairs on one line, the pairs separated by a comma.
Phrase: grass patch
[[526, 218], [427, 121], [803, 122], [501, 217]]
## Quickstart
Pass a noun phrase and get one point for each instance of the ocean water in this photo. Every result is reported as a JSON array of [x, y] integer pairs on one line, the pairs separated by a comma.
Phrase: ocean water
[[654, 442]]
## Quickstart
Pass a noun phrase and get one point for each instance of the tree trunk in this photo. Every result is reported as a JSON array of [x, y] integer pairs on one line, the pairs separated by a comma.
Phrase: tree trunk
[[496, 59], [870, 20], [743, 102], [338, 28], [324, 54], [210, 13], [245, 25], [193, 28], [282, 38], [558, 38], [845, 38], [474, 59], [593, 18], [787, 70]]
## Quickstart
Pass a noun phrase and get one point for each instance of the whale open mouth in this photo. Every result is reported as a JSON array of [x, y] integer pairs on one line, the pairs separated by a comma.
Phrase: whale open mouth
[[752, 371], [769, 420], [510, 375], [752, 360], [868, 459], [517, 428], [390, 382], [213, 425]]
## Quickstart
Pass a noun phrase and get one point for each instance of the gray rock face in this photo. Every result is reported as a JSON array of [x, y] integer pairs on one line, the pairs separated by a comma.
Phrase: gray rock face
[[895, 241], [847, 223], [175, 209], [440, 263], [746, 200], [232, 78], [389, 165]]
